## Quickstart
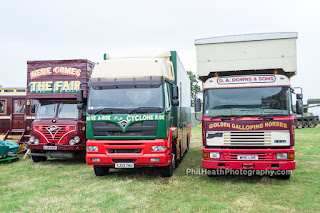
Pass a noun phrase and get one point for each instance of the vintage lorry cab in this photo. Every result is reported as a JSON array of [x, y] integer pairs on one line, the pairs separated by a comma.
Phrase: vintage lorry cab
[[58, 130], [248, 120]]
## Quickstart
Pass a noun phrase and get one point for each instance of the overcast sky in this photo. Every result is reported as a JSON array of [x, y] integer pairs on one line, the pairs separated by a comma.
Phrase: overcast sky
[[39, 30]]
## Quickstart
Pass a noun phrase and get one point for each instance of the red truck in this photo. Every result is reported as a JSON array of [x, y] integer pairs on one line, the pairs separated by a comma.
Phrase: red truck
[[248, 120], [59, 129]]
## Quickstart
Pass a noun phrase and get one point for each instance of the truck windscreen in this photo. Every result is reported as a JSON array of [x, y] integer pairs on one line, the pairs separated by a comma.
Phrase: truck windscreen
[[60, 110], [46, 110], [260, 101], [125, 100]]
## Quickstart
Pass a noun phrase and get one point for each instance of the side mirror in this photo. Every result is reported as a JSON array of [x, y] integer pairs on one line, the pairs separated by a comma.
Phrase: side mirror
[[175, 102], [175, 92], [80, 106], [299, 106], [80, 96], [299, 96], [197, 105]]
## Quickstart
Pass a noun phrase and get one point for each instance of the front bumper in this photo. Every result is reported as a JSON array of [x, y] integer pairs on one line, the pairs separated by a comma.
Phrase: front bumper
[[141, 159], [60, 147], [267, 159]]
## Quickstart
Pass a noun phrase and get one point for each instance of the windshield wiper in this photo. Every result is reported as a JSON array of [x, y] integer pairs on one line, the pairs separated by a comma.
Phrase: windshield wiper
[[146, 109], [109, 110]]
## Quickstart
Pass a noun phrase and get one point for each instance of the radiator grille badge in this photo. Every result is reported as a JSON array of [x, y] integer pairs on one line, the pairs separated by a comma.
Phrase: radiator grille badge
[[123, 124], [53, 130]]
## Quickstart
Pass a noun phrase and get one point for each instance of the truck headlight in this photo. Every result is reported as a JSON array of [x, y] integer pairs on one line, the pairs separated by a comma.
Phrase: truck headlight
[[215, 155], [31, 139], [92, 148], [158, 148], [71, 142], [282, 155], [36, 141], [77, 139]]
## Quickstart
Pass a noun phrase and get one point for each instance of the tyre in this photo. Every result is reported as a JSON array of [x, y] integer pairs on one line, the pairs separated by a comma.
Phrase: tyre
[[311, 124], [283, 177], [101, 170], [37, 159], [299, 124], [188, 144], [305, 124], [167, 171], [211, 173]]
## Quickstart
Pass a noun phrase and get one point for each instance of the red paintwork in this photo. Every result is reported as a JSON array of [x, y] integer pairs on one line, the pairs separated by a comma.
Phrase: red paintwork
[[70, 129], [228, 156], [140, 159], [240, 124]]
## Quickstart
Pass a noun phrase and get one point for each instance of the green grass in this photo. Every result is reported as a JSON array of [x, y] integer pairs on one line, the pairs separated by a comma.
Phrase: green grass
[[68, 186]]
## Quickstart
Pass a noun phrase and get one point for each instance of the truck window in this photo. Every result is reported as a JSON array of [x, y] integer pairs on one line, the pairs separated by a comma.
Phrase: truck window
[[34, 103], [18, 105], [126, 99], [3, 106], [46, 110], [167, 95], [68, 111], [247, 101]]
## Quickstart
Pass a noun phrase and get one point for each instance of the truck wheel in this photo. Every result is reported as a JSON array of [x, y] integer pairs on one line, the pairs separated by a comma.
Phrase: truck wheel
[[101, 170], [305, 124], [188, 144], [311, 124], [316, 122], [167, 171], [299, 124], [283, 177], [36, 159]]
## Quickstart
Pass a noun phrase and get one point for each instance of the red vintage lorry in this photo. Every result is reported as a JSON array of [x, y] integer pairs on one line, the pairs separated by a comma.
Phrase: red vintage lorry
[[58, 130], [248, 120]]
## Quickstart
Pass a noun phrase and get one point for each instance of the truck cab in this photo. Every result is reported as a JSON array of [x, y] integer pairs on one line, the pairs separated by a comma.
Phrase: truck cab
[[137, 116], [59, 129], [248, 120]]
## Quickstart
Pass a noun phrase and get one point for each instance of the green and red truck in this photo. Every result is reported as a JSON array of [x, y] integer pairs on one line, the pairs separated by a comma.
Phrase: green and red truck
[[58, 130], [248, 120], [138, 113]]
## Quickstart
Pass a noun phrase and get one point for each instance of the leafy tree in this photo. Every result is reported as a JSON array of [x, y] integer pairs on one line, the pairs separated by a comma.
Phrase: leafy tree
[[194, 86]]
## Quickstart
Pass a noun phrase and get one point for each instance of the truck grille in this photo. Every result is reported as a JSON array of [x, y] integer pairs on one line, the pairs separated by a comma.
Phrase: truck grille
[[55, 134], [244, 138], [142, 128]]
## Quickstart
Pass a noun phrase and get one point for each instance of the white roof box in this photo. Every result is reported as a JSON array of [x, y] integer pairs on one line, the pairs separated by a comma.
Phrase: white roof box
[[247, 54], [137, 66]]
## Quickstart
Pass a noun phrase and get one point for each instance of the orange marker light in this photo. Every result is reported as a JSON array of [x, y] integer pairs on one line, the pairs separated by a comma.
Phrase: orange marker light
[[276, 72], [216, 74], [206, 155], [291, 155]]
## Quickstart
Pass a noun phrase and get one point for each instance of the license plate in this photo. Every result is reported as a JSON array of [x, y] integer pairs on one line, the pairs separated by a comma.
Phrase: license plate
[[50, 147], [124, 165], [248, 157]]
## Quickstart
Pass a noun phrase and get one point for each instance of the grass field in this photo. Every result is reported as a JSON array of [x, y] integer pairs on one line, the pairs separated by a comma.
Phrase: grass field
[[67, 186]]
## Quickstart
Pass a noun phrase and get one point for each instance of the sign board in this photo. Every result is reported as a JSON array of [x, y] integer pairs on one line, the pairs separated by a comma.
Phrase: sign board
[[58, 78], [247, 79]]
